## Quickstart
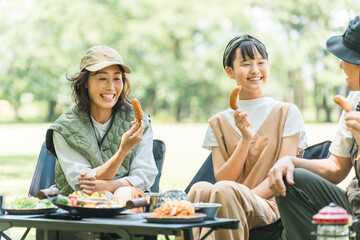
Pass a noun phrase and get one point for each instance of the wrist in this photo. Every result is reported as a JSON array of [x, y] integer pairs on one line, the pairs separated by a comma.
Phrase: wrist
[[122, 152], [295, 161], [246, 138]]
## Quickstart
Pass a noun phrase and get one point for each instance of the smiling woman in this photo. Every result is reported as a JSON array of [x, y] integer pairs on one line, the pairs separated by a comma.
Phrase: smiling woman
[[96, 146], [245, 142]]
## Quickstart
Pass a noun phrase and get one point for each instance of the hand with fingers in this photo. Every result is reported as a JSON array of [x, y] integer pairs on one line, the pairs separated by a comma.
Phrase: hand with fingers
[[132, 137], [352, 121], [243, 123], [284, 167], [87, 182]]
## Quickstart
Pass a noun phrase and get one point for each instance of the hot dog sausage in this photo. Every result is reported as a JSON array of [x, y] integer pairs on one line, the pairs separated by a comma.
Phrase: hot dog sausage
[[137, 109], [343, 103], [234, 96]]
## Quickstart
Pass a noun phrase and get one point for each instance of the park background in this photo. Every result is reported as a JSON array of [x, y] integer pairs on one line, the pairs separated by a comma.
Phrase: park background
[[174, 49]]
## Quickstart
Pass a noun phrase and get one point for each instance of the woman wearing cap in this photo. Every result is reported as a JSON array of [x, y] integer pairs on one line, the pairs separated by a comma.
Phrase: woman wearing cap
[[96, 146], [310, 185], [246, 144]]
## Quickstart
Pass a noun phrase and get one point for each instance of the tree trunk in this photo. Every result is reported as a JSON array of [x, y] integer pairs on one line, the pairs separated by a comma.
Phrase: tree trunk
[[52, 105], [326, 106], [178, 112], [150, 104]]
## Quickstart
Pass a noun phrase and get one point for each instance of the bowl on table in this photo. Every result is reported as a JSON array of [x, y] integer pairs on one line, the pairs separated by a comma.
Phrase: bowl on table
[[210, 209]]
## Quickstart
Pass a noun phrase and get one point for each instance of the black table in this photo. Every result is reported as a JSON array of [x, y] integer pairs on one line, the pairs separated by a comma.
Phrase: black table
[[124, 225]]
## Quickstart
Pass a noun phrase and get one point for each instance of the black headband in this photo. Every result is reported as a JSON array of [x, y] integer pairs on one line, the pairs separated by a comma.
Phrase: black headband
[[235, 42]]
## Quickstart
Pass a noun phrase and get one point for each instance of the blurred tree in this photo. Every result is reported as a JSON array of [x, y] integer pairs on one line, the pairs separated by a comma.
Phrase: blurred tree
[[174, 49], [307, 26]]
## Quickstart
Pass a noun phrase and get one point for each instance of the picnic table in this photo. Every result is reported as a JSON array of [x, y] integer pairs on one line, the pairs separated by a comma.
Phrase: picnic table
[[125, 225]]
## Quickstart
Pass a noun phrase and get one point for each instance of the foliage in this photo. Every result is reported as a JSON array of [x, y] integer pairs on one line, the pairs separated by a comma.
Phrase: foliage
[[174, 49]]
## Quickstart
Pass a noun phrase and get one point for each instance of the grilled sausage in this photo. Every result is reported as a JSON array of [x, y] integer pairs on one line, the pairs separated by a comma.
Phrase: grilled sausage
[[137, 109], [234, 96], [343, 102]]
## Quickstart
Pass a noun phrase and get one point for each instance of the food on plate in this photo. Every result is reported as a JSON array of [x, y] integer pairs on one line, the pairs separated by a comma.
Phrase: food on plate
[[234, 96], [115, 203], [181, 208], [81, 195], [29, 203], [343, 102], [137, 109], [62, 200], [88, 202]]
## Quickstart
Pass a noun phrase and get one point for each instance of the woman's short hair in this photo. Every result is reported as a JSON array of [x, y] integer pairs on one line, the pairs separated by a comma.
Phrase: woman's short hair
[[81, 96]]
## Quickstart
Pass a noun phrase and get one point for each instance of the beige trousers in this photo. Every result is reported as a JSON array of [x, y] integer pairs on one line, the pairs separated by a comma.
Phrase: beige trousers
[[237, 202]]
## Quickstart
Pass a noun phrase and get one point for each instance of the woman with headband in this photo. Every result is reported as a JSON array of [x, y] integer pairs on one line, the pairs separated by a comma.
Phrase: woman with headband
[[245, 143]]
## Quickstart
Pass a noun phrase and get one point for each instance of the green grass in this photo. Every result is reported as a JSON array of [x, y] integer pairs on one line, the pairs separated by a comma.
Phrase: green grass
[[16, 173], [20, 148]]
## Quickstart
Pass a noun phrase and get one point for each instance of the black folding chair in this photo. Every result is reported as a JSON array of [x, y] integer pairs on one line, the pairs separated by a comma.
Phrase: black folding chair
[[44, 175], [273, 231]]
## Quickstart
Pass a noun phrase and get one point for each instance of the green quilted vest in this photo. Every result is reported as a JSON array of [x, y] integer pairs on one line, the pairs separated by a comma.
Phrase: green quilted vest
[[77, 129]]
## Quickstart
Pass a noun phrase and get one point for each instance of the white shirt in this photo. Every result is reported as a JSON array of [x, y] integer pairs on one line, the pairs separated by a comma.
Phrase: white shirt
[[343, 140], [142, 171], [258, 110]]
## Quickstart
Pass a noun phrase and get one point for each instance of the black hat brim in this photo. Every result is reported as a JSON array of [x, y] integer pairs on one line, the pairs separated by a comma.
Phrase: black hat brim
[[336, 46]]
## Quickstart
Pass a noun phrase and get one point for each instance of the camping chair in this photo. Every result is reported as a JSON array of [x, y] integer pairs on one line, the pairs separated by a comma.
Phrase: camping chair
[[44, 175], [273, 231]]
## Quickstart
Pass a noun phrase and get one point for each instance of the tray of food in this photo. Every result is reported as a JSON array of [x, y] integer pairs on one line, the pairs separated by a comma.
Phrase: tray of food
[[177, 211], [89, 206], [30, 205]]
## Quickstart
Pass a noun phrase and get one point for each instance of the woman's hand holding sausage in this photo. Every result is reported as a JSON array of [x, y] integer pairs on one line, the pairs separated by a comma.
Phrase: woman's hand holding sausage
[[132, 137], [243, 123]]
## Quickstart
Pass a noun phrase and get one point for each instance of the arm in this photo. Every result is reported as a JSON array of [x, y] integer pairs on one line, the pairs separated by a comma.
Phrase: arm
[[133, 136], [232, 168], [72, 162], [143, 170], [141, 175], [78, 171], [89, 184], [288, 147], [334, 169]]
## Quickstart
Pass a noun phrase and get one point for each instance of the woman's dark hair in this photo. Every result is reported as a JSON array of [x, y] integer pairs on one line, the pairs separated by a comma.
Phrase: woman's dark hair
[[247, 48], [81, 96]]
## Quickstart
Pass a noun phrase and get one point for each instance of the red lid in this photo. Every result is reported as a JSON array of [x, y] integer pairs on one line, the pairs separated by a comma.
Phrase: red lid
[[332, 214]]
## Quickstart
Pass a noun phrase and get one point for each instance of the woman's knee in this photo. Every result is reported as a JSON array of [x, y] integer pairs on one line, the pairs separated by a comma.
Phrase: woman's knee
[[229, 189], [200, 191], [203, 186]]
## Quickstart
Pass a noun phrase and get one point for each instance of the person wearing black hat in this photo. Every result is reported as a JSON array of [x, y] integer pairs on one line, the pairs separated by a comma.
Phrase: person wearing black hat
[[303, 187]]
